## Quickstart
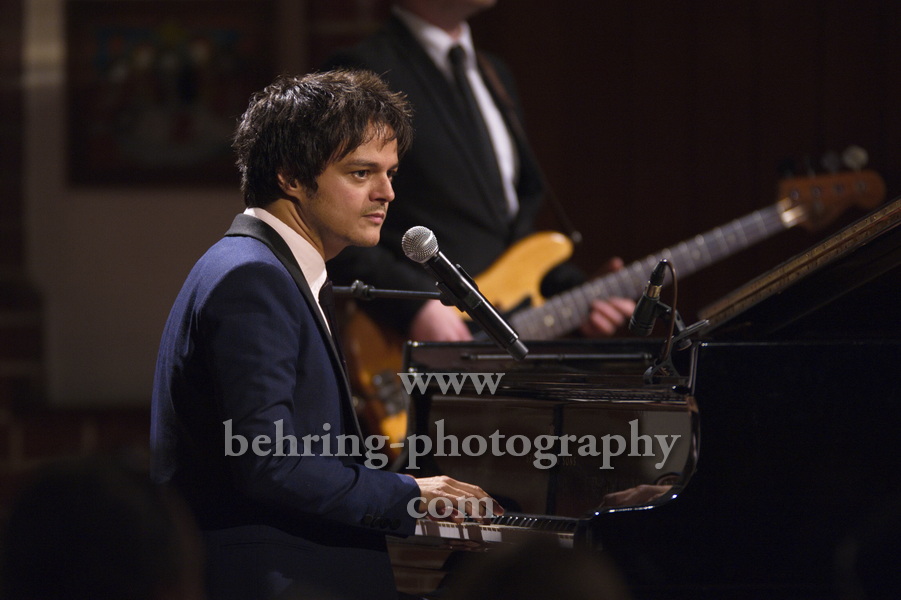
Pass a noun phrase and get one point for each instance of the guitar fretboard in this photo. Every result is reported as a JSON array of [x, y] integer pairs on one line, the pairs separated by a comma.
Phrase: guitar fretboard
[[565, 312]]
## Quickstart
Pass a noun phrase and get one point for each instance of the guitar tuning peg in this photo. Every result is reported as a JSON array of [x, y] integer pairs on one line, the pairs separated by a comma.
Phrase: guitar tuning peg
[[831, 162], [855, 157]]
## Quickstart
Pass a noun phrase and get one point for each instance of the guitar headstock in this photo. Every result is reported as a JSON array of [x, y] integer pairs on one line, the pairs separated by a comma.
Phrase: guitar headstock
[[817, 200]]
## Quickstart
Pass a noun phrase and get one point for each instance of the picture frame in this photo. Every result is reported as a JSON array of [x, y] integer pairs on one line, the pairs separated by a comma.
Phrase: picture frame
[[155, 89]]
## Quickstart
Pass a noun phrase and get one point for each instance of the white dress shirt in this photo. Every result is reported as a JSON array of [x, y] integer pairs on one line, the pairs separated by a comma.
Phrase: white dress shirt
[[437, 43]]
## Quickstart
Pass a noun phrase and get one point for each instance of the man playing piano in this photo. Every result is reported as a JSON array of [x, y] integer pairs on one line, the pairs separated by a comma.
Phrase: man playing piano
[[252, 418]]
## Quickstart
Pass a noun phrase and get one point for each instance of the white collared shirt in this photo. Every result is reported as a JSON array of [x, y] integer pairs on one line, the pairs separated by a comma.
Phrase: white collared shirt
[[311, 262], [437, 43]]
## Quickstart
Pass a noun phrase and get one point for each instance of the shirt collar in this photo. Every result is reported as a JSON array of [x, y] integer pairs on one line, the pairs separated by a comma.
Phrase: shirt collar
[[311, 262]]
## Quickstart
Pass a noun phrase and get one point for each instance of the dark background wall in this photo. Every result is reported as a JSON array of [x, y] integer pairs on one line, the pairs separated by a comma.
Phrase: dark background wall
[[657, 121]]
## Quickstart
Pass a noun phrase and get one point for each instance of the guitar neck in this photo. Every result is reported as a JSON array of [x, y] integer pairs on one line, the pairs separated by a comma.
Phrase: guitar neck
[[565, 312]]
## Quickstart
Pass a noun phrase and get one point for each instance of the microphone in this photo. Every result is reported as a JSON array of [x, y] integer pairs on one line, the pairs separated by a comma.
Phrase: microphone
[[421, 246], [647, 307]]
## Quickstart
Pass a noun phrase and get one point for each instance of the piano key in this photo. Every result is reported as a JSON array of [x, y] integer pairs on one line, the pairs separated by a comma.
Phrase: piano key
[[522, 528]]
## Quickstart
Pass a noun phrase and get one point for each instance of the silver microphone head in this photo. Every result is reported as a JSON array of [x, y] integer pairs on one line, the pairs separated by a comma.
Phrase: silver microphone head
[[419, 244]]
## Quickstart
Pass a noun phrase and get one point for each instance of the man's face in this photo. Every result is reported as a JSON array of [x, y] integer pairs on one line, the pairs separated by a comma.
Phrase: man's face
[[350, 205]]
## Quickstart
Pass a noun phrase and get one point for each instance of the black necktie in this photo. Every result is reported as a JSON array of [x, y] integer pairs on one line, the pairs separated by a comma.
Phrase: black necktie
[[477, 128], [327, 302]]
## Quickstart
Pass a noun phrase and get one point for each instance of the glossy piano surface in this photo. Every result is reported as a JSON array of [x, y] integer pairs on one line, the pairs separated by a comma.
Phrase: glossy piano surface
[[567, 433], [796, 493]]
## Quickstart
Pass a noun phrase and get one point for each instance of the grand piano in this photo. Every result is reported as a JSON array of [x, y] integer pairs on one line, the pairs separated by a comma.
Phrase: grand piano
[[792, 491]]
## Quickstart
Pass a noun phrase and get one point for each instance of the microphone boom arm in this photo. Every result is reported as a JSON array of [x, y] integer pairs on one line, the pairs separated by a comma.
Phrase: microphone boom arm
[[363, 291]]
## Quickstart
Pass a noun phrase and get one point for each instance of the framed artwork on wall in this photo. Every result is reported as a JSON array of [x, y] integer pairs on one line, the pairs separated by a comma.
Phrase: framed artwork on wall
[[155, 88]]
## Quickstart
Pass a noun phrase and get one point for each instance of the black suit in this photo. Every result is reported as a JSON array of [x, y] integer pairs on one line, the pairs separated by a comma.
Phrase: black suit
[[440, 183]]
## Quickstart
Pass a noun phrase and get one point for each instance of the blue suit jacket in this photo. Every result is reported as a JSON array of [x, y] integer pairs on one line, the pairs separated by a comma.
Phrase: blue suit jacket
[[246, 370]]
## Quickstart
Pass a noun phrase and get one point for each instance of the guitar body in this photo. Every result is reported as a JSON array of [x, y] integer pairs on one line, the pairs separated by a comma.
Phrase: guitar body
[[515, 277], [374, 356]]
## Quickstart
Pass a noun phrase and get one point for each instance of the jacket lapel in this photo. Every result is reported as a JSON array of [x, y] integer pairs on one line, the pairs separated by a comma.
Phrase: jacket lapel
[[245, 225]]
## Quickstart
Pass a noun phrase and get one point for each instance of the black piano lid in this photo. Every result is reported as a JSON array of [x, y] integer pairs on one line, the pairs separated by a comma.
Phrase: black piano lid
[[845, 287]]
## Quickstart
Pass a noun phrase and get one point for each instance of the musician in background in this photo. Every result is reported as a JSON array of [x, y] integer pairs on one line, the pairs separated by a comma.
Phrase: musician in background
[[251, 415], [470, 176]]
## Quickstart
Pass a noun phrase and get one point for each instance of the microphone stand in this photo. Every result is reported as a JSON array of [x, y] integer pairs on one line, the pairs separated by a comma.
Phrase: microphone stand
[[362, 291], [679, 337]]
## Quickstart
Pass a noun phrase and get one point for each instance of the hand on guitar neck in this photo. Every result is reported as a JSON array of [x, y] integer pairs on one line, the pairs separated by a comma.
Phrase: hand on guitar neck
[[436, 322], [607, 316]]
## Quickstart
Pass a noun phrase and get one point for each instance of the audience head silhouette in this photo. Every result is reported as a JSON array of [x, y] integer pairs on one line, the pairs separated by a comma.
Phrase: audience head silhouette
[[94, 528]]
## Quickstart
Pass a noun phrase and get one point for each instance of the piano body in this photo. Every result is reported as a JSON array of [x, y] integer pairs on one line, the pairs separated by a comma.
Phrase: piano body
[[795, 494], [792, 491]]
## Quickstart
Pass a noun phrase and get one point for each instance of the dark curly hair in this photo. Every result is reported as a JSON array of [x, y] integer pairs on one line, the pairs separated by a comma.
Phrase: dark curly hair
[[297, 126]]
